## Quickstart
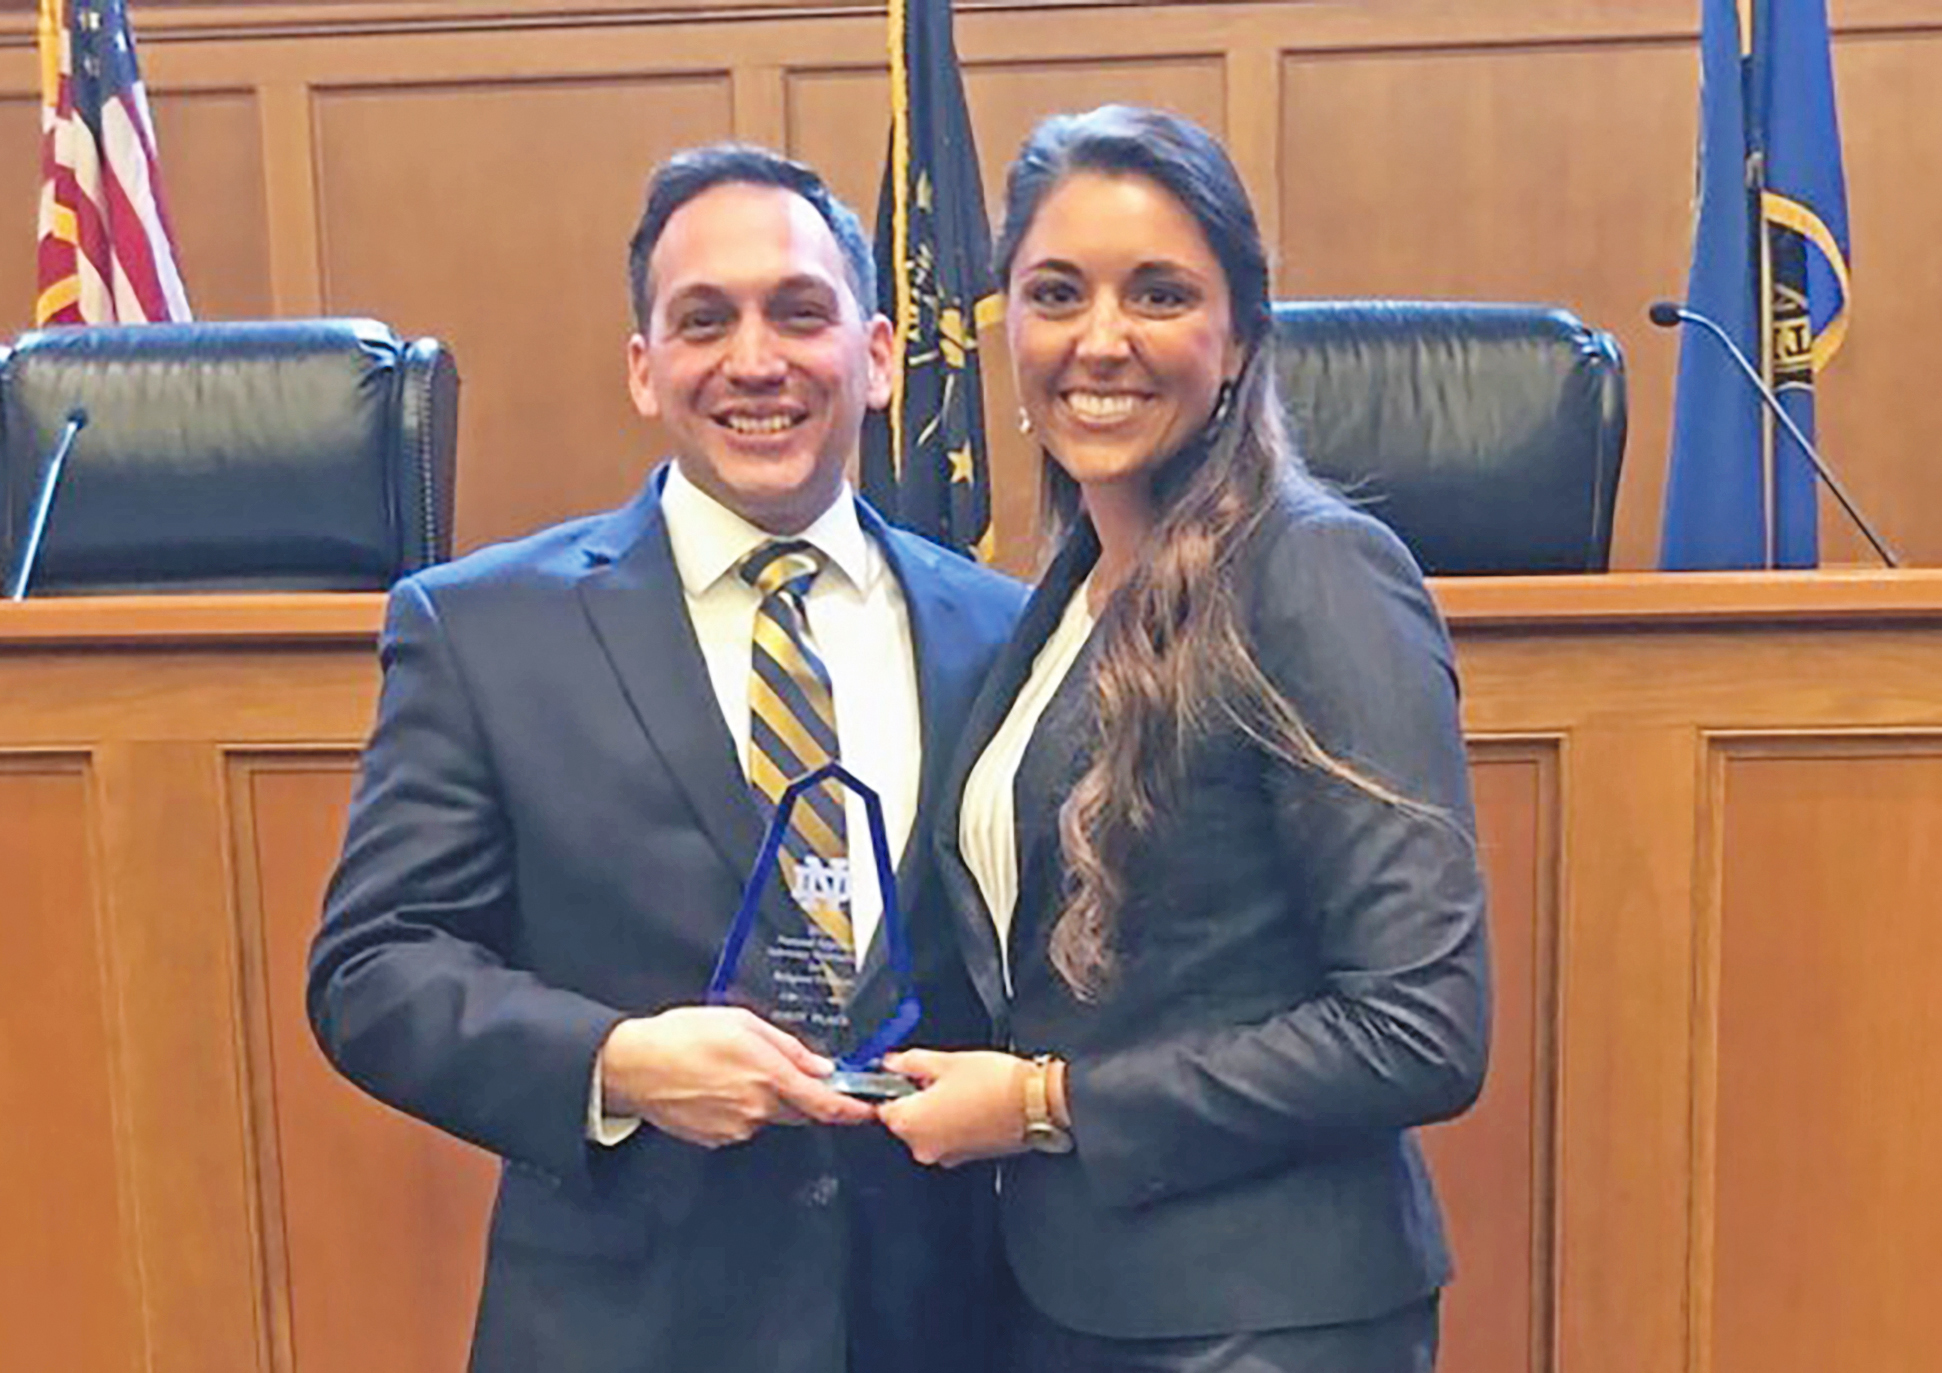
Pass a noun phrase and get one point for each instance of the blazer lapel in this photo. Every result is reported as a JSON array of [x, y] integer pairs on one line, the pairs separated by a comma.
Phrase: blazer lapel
[[1061, 742], [632, 594], [977, 931]]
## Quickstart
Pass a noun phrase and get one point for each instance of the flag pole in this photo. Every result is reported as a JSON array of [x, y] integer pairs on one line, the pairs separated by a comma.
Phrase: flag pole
[[900, 222], [1769, 468]]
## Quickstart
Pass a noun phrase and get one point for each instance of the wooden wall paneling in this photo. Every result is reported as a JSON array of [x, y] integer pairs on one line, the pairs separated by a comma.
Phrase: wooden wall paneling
[[1820, 1205], [1252, 129], [1479, 18], [69, 1285], [1494, 1167], [288, 137], [1408, 148], [256, 989], [375, 1223], [186, 1140], [19, 191], [1714, 918], [211, 148], [1773, 681], [1561, 175], [177, 698], [496, 216], [1625, 989], [1007, 99], [761, 97], [1878, 404]]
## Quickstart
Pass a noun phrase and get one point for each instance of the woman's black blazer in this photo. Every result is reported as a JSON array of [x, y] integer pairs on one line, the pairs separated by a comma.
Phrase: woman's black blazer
[[1301, 973]]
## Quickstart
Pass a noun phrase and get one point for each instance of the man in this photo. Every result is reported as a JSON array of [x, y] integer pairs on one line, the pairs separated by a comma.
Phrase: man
[[566, 788]]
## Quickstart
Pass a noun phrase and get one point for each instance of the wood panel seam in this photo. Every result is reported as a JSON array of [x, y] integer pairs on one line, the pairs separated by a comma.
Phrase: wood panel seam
[[1546, 750], [293, 197], [1252, 77], [1548, 1016], [1703, 1032], [114, 978], [269, 1247], [1816, 741], [758, 98], [274, 1337]]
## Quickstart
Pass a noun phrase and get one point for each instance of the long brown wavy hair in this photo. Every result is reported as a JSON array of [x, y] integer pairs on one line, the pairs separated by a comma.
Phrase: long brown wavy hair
[[1173, 659]]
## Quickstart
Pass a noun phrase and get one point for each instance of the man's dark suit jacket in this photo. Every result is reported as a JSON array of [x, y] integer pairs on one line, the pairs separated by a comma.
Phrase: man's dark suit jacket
[[1301, 975], [550, 833]]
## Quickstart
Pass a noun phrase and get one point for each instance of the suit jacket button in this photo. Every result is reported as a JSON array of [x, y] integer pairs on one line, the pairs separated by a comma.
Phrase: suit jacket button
[[818, 1191]]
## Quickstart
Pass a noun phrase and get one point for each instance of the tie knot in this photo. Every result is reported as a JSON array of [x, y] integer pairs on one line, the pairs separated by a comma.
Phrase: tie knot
[[782, 563]]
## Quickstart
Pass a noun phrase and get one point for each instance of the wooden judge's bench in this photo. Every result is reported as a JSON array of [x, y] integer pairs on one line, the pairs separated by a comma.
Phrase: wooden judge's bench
[[1711, 1141]]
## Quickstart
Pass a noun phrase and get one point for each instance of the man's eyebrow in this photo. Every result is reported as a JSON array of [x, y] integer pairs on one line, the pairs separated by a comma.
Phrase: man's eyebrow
[[805, 281], [695, 290], [711, 292]]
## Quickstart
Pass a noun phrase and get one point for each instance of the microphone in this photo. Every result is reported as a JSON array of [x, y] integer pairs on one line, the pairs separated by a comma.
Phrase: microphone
[[1669, 315], [77, 420]]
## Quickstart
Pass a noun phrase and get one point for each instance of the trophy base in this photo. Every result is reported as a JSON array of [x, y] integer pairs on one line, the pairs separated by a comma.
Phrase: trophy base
[[867, 1084]]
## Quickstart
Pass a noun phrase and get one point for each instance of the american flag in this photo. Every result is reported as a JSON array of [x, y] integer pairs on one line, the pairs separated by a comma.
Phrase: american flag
[[106, 253]]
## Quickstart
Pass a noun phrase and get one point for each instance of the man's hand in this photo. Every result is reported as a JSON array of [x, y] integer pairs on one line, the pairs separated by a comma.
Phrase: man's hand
[[972, 1105], [715, 1075]]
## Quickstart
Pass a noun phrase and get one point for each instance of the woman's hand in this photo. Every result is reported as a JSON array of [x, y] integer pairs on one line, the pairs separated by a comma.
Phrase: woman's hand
[[972, 1105]]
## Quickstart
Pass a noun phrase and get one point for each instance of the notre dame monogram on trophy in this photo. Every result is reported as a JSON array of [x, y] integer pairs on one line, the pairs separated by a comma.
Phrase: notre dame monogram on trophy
[[798, 989]]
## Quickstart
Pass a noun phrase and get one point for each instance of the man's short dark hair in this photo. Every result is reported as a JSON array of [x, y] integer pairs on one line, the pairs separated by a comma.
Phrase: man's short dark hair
[[687, 174]]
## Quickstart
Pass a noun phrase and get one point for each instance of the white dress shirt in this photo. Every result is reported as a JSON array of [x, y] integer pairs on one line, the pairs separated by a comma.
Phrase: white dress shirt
[[861, 629], [987, 827]]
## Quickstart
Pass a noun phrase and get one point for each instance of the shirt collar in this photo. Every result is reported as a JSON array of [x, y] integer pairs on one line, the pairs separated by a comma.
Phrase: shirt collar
[[708, 539]]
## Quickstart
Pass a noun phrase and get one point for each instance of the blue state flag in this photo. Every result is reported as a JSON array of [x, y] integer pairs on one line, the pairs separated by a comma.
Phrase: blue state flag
[[1771, 265]]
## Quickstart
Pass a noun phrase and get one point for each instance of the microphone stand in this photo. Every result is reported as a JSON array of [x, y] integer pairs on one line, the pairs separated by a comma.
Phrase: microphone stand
[[1668, 316], [77, 420]]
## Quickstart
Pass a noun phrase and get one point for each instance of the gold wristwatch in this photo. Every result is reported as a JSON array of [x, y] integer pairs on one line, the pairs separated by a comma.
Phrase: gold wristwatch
[[1043, 1134]]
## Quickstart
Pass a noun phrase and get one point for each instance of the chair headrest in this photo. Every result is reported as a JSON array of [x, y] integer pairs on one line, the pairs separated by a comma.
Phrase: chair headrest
[[301, 454], [1488, 436]]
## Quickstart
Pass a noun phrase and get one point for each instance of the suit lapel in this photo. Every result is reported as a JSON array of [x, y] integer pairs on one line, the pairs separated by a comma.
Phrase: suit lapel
[[1061, 742], [1006, 679], [632, 594]]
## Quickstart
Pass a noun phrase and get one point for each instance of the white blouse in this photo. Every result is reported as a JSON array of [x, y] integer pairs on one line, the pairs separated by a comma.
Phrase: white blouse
[[987, 833]]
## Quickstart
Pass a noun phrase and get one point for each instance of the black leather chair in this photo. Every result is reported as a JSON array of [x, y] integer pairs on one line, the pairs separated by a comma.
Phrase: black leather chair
[[1488, 436], [298, 455]]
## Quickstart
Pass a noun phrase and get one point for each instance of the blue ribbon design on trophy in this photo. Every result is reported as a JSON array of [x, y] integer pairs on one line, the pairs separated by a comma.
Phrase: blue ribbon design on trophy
[[859, 1069]]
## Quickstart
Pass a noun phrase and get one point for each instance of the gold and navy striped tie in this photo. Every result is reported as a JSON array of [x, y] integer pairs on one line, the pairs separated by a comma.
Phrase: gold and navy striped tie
[[792, 732]]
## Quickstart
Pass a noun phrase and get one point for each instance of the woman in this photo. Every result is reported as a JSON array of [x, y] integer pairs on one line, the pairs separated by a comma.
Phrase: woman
[[1213, 862]]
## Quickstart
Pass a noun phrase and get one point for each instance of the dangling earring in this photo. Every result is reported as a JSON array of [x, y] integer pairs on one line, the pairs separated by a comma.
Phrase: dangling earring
[[1024, 421], [1223, 400]]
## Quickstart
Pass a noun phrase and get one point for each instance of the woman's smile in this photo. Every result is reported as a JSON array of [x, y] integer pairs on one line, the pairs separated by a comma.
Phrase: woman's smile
[[1121, 326]]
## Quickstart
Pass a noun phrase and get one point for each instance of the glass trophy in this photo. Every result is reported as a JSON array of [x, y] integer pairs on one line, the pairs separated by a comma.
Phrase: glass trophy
[[796, 988]]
